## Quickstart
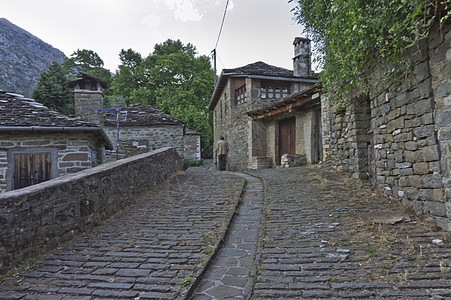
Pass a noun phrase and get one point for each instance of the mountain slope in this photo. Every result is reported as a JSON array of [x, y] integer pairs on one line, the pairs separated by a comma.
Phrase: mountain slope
[[22, 58]]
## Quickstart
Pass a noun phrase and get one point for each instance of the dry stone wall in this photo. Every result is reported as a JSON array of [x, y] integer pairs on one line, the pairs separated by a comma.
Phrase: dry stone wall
[[400, 136], [42, 216], [349, 139]]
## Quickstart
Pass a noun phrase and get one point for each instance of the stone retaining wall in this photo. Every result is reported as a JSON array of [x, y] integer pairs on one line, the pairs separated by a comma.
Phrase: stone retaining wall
[[399, 137], [41, 217]]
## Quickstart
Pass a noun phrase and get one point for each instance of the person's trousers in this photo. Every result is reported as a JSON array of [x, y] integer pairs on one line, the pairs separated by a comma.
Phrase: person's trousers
[[222, 161]]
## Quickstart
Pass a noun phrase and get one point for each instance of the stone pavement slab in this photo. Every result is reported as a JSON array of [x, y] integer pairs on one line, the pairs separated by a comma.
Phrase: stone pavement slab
[[320, 242], [230, 275], [151, 250]]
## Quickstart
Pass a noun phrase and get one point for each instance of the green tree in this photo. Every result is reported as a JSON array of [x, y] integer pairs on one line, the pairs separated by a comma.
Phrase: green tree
[[51, 90], [88, 62], [129, 78], [353, 36], [173, 79]]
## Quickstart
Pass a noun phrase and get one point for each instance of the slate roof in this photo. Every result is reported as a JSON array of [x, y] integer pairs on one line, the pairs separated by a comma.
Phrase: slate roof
[[192, 132], [142, 115], [18, 111], [260, 68]]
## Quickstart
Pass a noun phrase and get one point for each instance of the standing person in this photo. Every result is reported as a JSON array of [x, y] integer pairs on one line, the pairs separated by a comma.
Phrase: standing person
[[222, 148]]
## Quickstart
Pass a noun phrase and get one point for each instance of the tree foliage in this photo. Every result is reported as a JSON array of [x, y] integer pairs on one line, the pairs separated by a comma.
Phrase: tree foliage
[[51, 90], [173, 79], [352, 36], [88, 62]]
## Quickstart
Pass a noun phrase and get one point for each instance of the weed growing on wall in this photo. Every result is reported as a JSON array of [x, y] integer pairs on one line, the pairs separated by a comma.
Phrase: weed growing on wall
[[353, 36]]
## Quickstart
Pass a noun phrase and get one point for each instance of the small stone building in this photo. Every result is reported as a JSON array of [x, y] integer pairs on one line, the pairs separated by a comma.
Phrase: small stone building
[[141, 128], [253, 108], [146, 129], [38, 144]]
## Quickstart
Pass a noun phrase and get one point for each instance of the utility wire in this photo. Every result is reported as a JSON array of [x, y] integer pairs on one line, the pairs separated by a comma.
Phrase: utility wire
[[217, 56], [222, 24], [217, 41]]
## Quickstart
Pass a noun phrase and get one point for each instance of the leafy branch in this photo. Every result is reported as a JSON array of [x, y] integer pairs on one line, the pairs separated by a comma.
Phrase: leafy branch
[[354, 36]]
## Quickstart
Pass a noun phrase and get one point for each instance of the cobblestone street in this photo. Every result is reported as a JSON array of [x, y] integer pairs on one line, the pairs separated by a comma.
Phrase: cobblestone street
[[328, 237], [152, 250], [294, 233]]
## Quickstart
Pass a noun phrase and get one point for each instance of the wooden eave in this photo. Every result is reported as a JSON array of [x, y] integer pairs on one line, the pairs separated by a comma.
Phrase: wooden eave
[[305, 98]]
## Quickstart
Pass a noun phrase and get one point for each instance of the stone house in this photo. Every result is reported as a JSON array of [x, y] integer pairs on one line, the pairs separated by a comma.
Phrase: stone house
[[38, 144], [292, 125], [399, 137], [146, 129], [254, 109], [141, 128]]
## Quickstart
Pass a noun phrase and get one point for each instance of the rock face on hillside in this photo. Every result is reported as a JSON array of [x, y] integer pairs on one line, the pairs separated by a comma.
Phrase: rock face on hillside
[[22, 58]]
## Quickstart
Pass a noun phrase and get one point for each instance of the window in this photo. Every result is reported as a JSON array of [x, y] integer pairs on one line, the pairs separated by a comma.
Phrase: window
[[240, 91], [274, 90], [240, 95], [31, 168]]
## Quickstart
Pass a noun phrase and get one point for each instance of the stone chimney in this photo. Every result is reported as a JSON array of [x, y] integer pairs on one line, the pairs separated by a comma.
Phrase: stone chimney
[[88, 95], [301, 60]]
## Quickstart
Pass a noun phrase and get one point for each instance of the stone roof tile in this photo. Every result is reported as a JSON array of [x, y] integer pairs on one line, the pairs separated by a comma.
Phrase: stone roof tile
[[260, 68], [142, 115], [18, 111]]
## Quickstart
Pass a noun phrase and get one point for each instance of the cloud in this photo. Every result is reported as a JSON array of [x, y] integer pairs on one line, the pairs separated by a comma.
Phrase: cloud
[[231, 6], [184, 10], [151, 21]]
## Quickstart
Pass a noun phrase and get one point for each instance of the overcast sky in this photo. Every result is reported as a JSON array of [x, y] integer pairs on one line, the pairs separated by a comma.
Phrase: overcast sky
[[254, 30]]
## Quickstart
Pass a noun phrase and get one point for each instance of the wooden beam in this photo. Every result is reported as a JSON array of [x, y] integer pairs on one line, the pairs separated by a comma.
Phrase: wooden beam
[[285, 108]]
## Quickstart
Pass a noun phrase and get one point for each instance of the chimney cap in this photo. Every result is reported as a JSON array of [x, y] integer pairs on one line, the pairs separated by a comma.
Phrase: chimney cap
[[298, 39], [82, 77]]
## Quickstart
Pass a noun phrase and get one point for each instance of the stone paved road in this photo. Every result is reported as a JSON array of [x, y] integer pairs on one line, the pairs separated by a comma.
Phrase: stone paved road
[[324, 239], [146, 252], [230, 274], [323, 236]]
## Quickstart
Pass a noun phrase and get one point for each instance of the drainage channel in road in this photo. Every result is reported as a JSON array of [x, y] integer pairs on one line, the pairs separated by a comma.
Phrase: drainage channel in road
[[232, 271]]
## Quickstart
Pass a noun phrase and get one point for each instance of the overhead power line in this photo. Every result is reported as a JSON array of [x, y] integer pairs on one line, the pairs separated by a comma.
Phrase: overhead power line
[[217, 41], [222, 23]]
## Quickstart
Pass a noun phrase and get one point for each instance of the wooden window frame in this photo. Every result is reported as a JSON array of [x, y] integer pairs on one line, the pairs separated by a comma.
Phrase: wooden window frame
[[240, 91], [10, 173], [274, 90]]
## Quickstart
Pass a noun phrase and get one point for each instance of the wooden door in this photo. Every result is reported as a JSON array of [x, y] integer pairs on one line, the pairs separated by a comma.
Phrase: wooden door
[[31, 168], [287, 137]]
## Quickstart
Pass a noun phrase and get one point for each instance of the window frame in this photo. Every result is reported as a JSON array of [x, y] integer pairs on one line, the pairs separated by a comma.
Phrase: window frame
[[240, 91], [273, 90], [10, 173]]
